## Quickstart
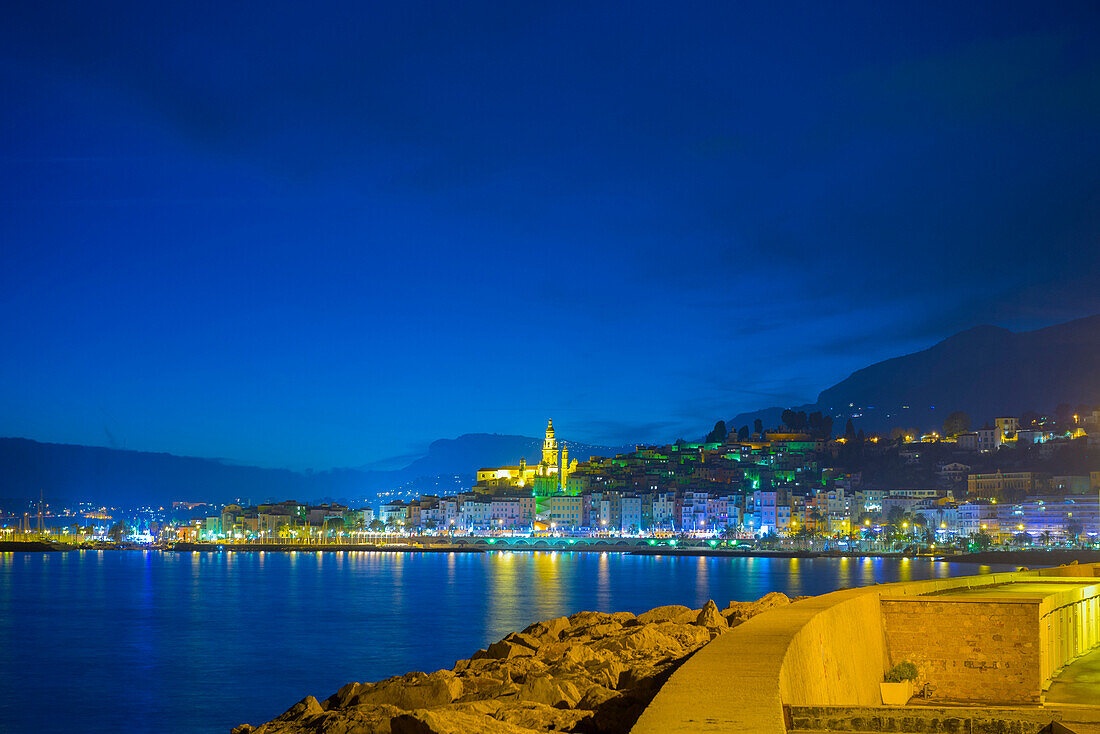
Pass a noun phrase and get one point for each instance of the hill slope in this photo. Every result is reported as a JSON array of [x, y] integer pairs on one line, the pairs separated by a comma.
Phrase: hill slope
[[130, 478], [985, 371]]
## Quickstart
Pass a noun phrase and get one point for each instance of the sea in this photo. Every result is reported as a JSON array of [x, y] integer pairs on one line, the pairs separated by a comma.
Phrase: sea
[[162, 641]]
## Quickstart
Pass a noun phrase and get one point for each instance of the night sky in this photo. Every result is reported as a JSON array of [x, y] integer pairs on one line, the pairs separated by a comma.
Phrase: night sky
[[316, 235]]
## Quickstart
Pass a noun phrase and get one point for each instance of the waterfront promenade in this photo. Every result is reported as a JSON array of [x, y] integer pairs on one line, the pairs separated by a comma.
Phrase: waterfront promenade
[[987, 649]]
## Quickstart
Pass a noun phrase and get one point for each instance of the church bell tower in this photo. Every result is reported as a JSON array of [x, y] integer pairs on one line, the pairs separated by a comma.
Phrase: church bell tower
[[550, 446]]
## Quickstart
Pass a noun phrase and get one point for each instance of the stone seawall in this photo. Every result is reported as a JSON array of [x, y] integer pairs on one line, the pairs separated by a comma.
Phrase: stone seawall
[[590, 672], [955, 643]]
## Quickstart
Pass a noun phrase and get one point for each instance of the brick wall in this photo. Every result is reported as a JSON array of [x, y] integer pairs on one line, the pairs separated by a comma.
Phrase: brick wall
[[968, 651]]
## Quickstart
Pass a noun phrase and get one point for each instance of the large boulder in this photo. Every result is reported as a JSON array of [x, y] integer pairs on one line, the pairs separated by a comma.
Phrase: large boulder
[[452, 722], [550, 691], [304, 709], [507, 649], [411, 691], [345, 696], [605, 672], [595, 697], [594, 631], [551, 629], [670, 613], [485, 687], [646, 640], [623, 618], [711, 618], [739, 611], [580, 654], [522, 638], [540, 717], [587, 619]]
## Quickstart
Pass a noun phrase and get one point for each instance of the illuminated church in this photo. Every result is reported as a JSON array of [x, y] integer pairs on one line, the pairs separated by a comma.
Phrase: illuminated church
[[544, 478]]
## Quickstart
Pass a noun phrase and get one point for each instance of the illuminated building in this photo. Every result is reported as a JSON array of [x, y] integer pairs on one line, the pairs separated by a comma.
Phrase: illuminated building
[[543, 479], [1007, 427], [1000, 485]]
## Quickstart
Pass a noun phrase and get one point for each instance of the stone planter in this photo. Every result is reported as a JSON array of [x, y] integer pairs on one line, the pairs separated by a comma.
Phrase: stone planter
[[896, 694]]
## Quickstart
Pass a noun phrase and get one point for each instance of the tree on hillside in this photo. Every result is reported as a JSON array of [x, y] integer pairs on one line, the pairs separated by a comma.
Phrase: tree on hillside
[[827, 427], [956, 423], [742, 433], [794, 420], [849, 431], [718, 435], [758, 426]]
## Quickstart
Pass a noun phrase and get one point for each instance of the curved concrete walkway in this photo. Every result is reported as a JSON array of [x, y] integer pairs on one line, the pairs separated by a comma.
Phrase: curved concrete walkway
[[824, 651]]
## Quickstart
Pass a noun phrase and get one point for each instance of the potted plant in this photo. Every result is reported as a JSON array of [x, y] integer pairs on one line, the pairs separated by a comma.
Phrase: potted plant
[[898, 688]]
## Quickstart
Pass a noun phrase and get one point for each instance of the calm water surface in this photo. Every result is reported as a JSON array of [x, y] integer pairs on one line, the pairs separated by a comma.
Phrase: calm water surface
[[135, 641]]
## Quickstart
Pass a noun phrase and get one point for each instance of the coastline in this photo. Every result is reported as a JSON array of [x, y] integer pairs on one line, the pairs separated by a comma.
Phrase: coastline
[[590, 672], [1027, 557]]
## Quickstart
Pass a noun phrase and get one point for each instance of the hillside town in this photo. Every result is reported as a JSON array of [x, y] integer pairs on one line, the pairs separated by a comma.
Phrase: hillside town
[[1020, 479]]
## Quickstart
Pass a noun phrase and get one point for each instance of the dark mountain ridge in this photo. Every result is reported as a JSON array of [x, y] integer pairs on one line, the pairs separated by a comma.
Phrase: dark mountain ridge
[[985, 371], [65, 472]]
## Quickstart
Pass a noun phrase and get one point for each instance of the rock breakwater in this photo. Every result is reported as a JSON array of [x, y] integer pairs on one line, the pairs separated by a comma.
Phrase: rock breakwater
[[589, 673]]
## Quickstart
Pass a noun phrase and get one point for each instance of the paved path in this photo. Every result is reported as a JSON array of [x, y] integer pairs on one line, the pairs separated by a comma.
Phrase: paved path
[[1078, 683]]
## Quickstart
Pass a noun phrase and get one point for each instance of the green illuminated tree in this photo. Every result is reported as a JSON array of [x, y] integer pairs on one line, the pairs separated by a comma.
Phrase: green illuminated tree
[[377, 525], [118, 531]]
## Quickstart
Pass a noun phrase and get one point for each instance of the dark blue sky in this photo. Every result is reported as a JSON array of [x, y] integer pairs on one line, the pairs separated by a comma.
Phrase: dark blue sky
[[313, 235]]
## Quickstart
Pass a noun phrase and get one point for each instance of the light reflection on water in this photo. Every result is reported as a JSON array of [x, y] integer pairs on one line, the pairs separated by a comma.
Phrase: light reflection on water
[[199, 642]]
